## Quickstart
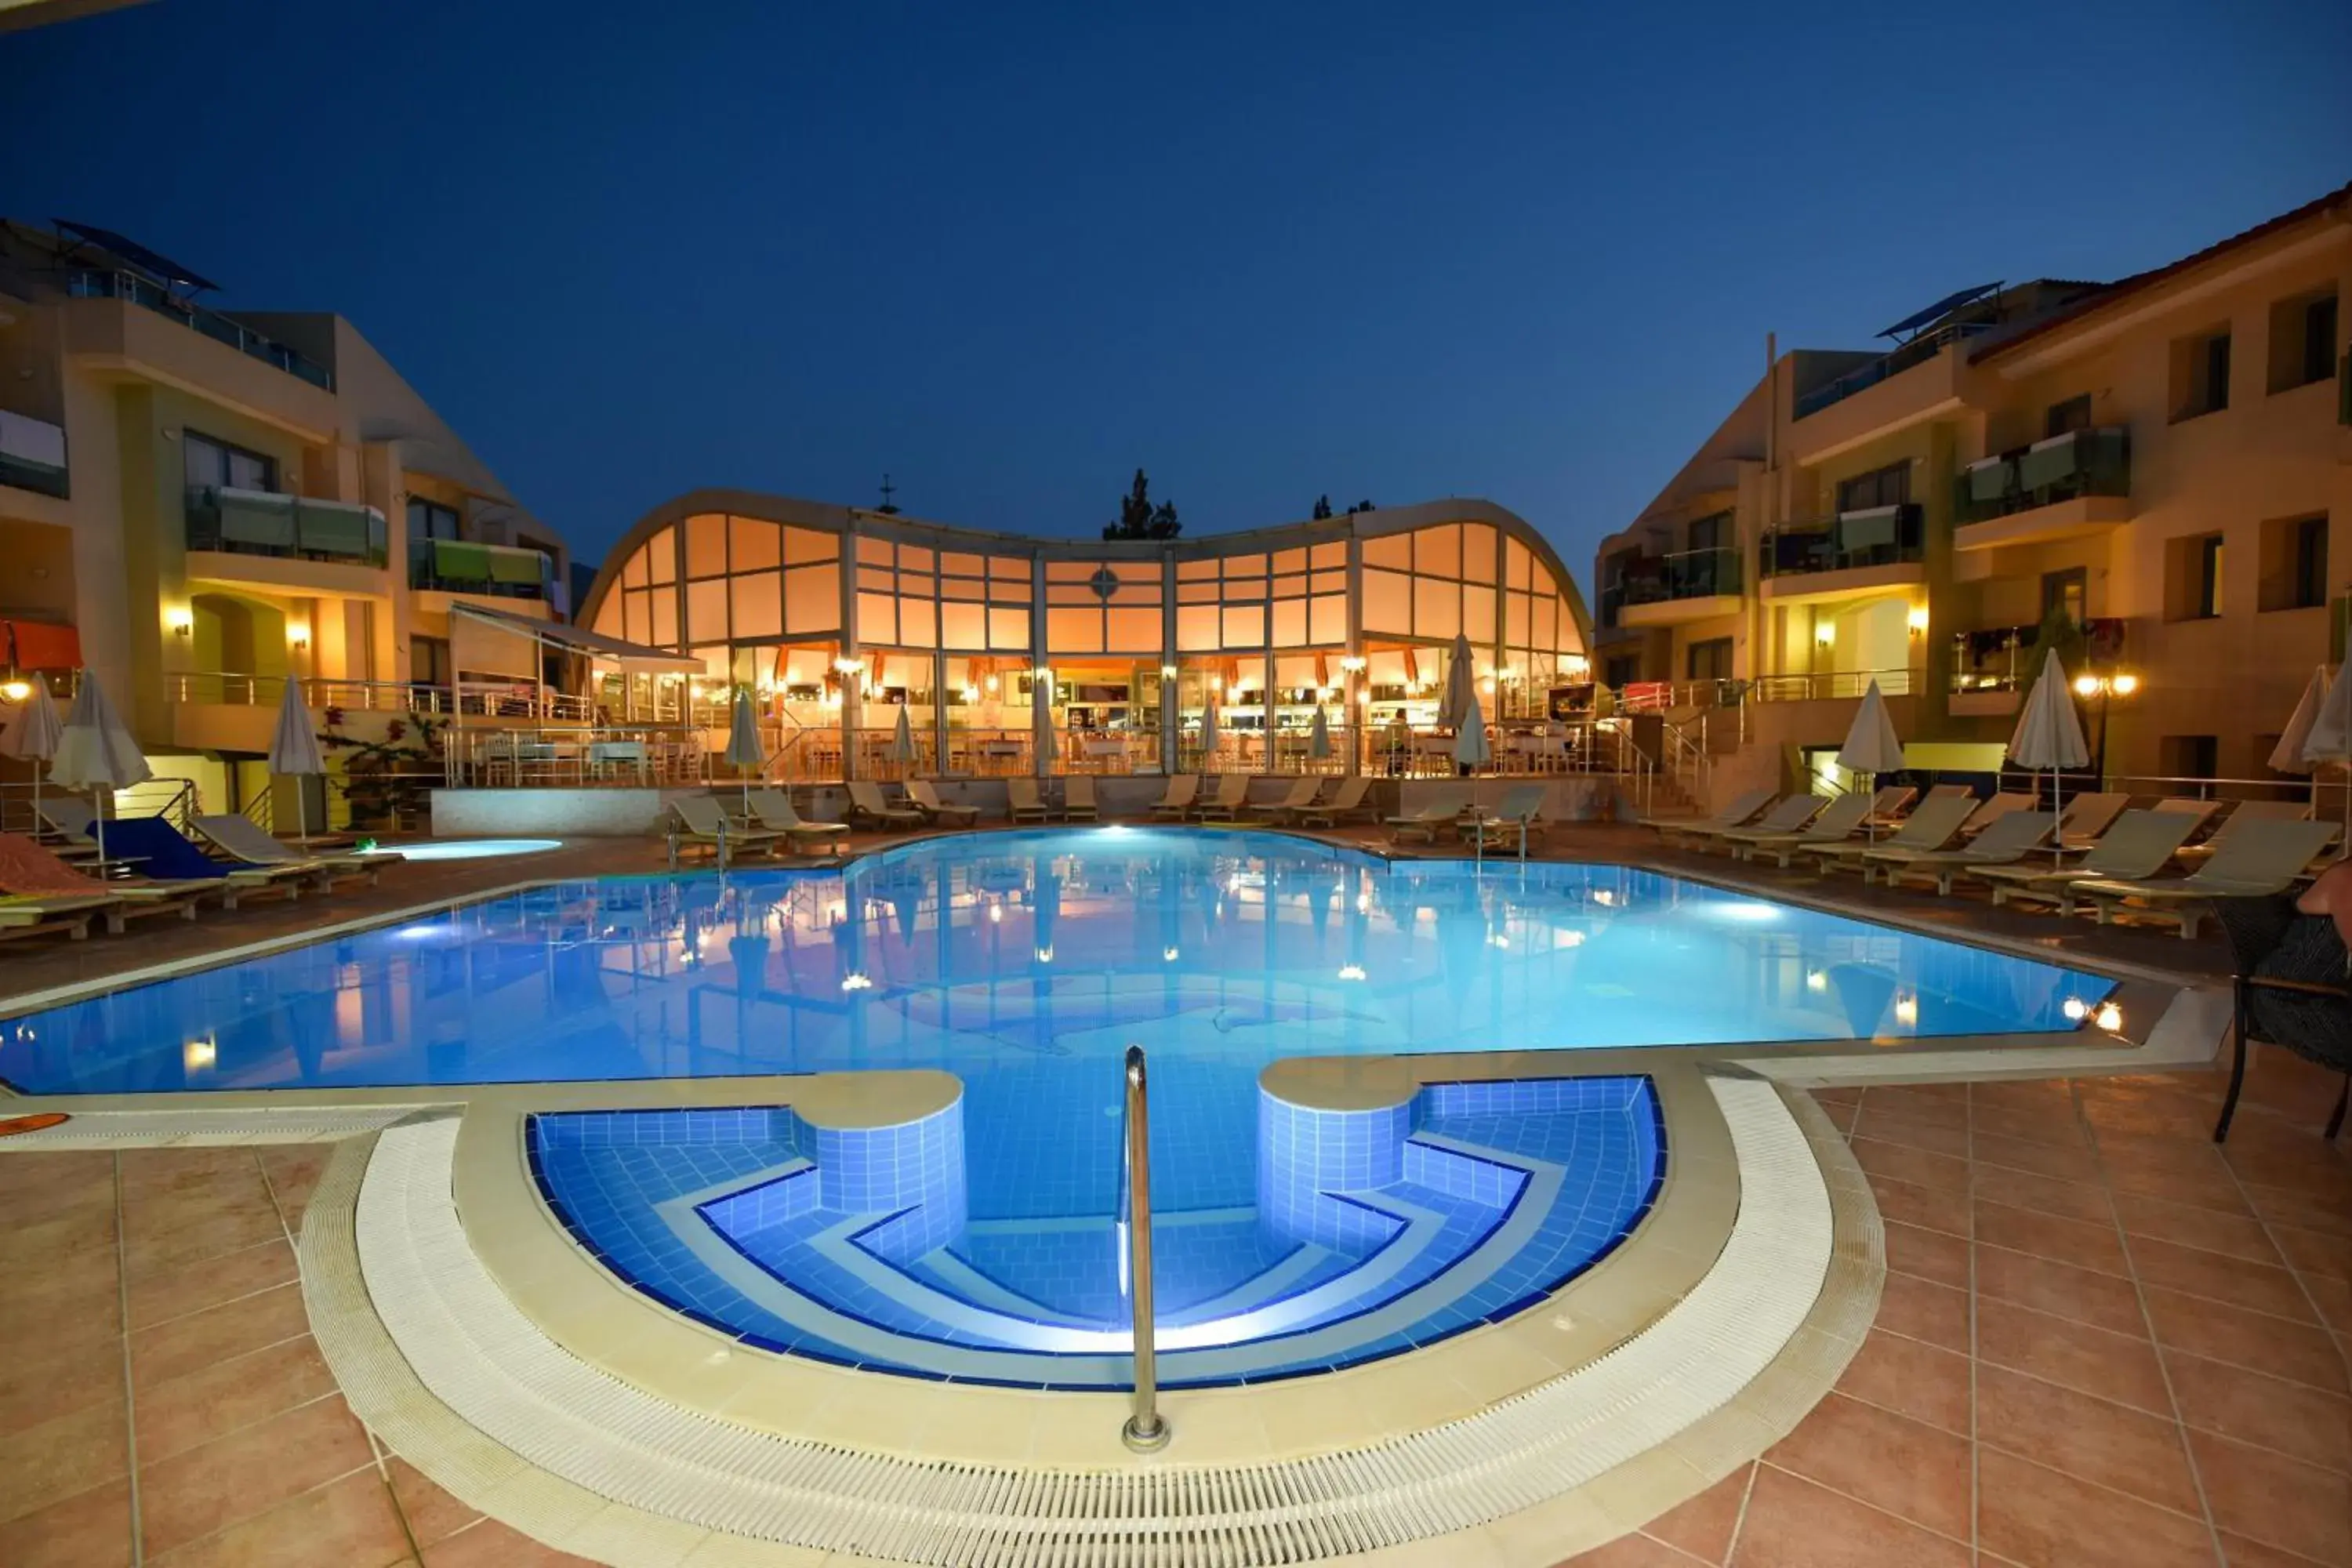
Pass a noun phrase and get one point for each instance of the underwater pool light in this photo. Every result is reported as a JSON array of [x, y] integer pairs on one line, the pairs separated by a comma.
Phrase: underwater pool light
[[2075, 1009], [856, 983]]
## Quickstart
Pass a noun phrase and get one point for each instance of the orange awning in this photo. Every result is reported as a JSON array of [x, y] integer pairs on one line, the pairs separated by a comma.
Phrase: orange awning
[[38, 644]]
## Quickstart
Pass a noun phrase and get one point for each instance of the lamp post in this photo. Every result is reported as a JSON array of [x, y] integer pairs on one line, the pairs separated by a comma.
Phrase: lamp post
[[2105, 688]]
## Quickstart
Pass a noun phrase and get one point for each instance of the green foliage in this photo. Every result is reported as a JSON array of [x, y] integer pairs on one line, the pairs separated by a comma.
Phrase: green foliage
[[379, 775], [1139, 519]]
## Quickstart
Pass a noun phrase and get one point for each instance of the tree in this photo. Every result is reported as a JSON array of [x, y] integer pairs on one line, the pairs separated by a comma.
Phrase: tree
[[1322, 507], [1139, 519], [1359, 506]]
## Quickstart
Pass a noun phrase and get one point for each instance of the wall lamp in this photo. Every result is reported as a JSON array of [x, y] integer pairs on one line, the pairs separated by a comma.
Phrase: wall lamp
[[181, 621], [1918, 621], [298, 636]]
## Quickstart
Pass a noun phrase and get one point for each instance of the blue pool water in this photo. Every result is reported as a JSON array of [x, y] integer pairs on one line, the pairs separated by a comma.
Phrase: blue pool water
[[983, 1243]]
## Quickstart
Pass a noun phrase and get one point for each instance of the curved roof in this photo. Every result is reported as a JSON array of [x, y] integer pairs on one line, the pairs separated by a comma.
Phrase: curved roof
[[833, 518]]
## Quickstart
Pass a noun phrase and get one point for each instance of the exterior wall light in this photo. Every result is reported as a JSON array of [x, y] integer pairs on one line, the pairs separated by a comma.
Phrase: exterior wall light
[[16, 688], [181, 620], [298, 636], [849, 666], [1918, 620], [1825, 633], [1352, 664], [1167, 672]]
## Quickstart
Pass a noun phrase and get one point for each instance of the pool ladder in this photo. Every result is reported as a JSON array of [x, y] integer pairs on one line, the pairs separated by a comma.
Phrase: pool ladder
[[1146, 1430]]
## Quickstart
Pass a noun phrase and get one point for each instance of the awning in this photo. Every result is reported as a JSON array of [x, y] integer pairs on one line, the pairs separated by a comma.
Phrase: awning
[[38, 644], [629, 656]]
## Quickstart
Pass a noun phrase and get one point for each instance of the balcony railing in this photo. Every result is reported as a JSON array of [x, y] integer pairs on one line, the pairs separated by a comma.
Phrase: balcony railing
[[1918, 350], [2079, 463], [503, 571], [2006, 659], [1828, 684], [95, 284], [32, 454], [1686, 574], [261, 522], [1879, 536]]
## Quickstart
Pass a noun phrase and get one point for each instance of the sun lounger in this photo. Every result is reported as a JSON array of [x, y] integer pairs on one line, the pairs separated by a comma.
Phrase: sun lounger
[[2006, 841], [1301, 796], [31, 870], [1933, 825], [1178, 800], [926, 796], [1743, 810], [1353, 798], [1518, 817], [66, 816], [2199, 812], [1225, 805], [1446, 804], [1022, 801], [2263, 858], [39, 917], [245, 840], [866, 805], [1950, 792], [1078, 803], [697, 820], [1838, 822], [1891, 801], [2137, 846], [2088, 816], [771, 809], [2245, 813], [168, 856], [1789, 814]]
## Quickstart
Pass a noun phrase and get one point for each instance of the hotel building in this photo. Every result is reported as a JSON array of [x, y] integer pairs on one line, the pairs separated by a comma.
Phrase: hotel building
[[2165, 459]]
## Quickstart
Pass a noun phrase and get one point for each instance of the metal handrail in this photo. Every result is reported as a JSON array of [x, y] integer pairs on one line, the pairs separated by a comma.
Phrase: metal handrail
[[1146, 1430]]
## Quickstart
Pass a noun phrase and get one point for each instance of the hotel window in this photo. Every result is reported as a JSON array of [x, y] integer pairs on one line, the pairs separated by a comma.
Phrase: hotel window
[[430, 520], [2302, 340], [2193, 578], [1708, 660], [2065, 591], [1889, 486], [2201, 374], [2295, 563], [985, 602], [1102, 606], [207, 462], [2064, 418], [2190, 756]]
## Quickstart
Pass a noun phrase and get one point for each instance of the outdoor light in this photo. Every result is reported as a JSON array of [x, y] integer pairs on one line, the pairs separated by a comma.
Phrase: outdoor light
[[1918, 620], [991, 683], [1817, 980], [972, 694], [1045, 955], [2075, 1009], [1352, 972], [1351, 664], [1825, 633], [1167, 672], [856, 982], [198, 1054], [2125, 685], [2109, 1017], [181, 620], [2087, 685], [1907, 1010], [1168, 955], [16, 688], [298, 636]]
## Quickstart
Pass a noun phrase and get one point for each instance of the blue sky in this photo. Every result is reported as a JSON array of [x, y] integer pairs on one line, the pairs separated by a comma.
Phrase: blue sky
[[1009, 253]]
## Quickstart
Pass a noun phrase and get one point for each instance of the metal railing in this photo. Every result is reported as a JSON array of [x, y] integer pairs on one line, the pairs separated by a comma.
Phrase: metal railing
[[95, 283], [2079, 463], [1828, 684], [1146, 1430], [2000, 659], [1872, 536], [32, 454], [499, 570], [1684, 574], [259, 523], [1918, 350], [473, 700]]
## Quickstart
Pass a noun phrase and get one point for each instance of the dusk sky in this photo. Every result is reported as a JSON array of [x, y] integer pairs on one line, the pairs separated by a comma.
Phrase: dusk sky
[[1009, 253]]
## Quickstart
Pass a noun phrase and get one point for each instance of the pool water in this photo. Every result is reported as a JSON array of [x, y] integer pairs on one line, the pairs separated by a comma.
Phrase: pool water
[[464, 849]]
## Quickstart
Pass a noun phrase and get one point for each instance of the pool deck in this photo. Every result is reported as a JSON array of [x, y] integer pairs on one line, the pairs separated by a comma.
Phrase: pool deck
[[2102, 1340]]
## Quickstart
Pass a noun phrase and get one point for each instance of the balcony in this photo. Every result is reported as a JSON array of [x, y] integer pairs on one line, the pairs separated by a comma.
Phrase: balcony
[[494, 570], [1918, 350], [2073, 484], [1853, 554], [96, 284], [32, 454], [1992, 667], [1689, 585], [278, 543]]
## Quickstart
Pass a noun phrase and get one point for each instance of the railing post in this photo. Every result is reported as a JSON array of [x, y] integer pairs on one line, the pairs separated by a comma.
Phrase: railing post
[[1146, 1430]]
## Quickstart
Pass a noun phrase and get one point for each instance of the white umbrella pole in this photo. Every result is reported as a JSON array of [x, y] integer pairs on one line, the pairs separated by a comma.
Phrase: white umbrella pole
[[98, 802]]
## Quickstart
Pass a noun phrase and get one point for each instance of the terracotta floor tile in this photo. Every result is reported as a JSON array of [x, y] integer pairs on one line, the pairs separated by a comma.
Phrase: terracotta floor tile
[[2332, 1297], [1929, 1254], [56, 1460], [230, 1231], [151, 1212], [1911, 1379], [27, 1181], [2244, 1553], [2313, 1251], [2047, 1236], [293, 1172], [2084, 1295], [2120, 1367], [2079, 1201], [41, 1387], [2221, 1332], [40, 1242], [1935, 1137], [2281, 1206], [1703, 1526], [2219, 1193], [1907, 1467], [89, 1530], [349, 1524], [2279, 1501], [1931, 1208], [2234, 1235], [2038, 1518], [153, 1172], [2056, 1123], [183, 1345], [79, 1299], [1792, 1523], [1935, 1314], [204, 1490], [158, 1298], [1944, 1103], [1837, 1094], [490, 1544], [1937, 1172], [2253, 1285], [432, 1513], [1637, 1550], [218, 1398], [2110, 1445], [1840, 1112], [2299, 1421], [2060, 1162]]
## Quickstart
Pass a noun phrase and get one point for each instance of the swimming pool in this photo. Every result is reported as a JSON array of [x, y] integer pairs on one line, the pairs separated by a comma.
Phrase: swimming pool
[[464, 848]]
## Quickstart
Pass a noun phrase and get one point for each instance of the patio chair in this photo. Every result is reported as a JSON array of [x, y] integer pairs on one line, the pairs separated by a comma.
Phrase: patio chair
[[1178, 800], [31, 870], [1302, 795], [2086, 817], [1800, 820], [2261, 859], [2290, 991], [2004, 843], [66, 816], [2199, 812], [1950, 792], [1992, 809], [2137, 846], [1447, 802], [1933, 827], [1023, 802], [2244, 814], [1225, 805], [41, 917], [246, 840], [926, 796], [1789, 815], [1517, 818], [1744, 809], [167, 855], [699, 821], [1353, 798], [866, 805], [771, 809], [1078, 804]]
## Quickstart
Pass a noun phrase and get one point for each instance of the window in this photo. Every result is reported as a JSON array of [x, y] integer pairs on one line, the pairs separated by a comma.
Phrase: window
[[2192, 572], [1622, 670], [1708, 660], [1710, 532], [2066, 590], [2064, 419], [2201, 374], [2295, 563], [428, 660], [1889, 486], [207, 462], [429, 519], [2302, 340], [2191, 756]]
